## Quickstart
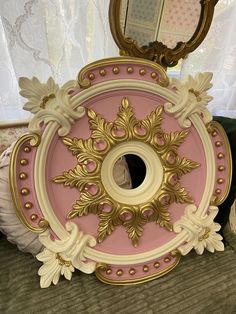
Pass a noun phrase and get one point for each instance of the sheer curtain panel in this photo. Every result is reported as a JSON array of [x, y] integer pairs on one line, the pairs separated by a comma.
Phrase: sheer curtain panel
[[217, 54], [48, 38]]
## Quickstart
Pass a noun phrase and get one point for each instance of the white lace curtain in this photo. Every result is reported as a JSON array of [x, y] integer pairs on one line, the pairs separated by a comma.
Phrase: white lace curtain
[[217, 54], [58, 37], [48, 38]]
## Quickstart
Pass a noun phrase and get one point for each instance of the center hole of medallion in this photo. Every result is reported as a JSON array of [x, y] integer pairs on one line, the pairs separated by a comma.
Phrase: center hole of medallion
[[129, 171]]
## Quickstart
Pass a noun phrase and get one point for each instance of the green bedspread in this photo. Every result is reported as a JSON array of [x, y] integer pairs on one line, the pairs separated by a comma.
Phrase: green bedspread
[[199, 284]]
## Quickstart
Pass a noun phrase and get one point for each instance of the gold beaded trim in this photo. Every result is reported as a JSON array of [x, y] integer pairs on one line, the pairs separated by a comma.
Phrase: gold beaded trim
[[25, 144], [132, 271]]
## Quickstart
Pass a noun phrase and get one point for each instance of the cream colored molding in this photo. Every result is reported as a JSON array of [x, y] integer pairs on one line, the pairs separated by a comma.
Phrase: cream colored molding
[[202, 231], [48, 103], [14, 124], [171, 96], [193, 98], [61, 257], [211, 167]]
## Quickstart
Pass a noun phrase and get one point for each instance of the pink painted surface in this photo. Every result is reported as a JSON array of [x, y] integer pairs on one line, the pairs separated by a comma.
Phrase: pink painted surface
[[221, 188], [28, 183], [123, 73]]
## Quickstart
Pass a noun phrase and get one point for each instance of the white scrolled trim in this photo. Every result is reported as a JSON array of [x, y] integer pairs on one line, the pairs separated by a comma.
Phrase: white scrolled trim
[[40, 182], [193, 98], [202, 231], [47, 115], [210, 164], [117, 85], [60, 111], [61, 257], [40, 161]]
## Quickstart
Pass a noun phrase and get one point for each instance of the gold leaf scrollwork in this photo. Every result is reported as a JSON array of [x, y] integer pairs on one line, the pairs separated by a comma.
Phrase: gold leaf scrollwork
[[86, 176]]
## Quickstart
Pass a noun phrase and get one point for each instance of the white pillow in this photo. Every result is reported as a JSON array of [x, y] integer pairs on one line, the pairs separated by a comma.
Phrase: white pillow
[[10, 224]]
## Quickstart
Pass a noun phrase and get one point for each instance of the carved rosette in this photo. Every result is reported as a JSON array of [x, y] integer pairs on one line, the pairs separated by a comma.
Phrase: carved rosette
[[193, 98], [202, 231], [48, 103], [61, 257]]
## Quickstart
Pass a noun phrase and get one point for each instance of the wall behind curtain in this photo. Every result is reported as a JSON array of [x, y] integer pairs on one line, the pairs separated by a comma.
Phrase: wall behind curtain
[[48, 38], [217, 54]]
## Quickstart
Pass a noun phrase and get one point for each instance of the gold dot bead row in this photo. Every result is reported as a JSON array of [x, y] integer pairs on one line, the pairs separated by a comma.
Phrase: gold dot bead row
[[24, 161], [133, 271], [221, 168], [28, 205], [116, 70], [25, 191]]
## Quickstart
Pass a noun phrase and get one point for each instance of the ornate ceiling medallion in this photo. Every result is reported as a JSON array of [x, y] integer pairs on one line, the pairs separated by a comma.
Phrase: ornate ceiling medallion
[[166, 125], [106, 139]]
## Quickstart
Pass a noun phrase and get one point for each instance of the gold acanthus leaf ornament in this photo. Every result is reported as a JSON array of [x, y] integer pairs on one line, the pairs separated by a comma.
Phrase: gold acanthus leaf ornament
[[86, 176]]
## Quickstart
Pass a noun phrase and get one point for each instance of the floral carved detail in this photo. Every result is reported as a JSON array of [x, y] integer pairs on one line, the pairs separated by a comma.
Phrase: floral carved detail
[[193, 98], [86, 176], [61, 257], [48, 102], [202, 231]]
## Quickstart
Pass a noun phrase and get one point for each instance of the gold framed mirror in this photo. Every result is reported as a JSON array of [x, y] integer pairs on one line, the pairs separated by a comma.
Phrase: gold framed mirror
[[151, 44]]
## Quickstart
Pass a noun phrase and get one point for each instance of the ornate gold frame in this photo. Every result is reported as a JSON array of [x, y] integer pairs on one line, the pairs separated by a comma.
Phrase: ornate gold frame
[[157, 51]]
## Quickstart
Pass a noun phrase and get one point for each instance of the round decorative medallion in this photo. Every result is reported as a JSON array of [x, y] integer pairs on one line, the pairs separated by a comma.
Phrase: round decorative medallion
[[122, 171]]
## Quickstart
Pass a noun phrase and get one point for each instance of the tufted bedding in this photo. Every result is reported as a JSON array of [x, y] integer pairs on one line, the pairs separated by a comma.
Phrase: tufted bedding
[[200, 284]]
